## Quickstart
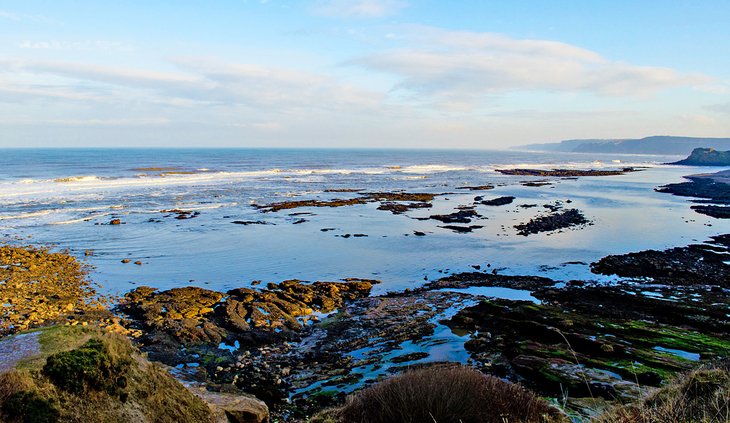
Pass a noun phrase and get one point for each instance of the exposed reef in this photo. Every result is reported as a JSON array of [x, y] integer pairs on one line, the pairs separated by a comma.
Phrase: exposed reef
[[712, 187], [40, 287], [499, 201], [718, 212], [701, 264], [389, 201], [562, 173], [554, 221], [459, 216]]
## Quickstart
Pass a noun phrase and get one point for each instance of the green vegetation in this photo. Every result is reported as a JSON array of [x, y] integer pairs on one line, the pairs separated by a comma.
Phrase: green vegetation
[[30, 407], [94, 377], [90, 366]]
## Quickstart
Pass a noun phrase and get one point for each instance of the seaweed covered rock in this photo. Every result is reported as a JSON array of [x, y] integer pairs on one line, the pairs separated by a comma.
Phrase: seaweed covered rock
[[556, 220], [184, 317], [595, 341], [697, 264]]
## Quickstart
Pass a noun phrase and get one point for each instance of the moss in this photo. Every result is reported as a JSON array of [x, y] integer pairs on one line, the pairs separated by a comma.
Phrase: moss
[[30, 407], [87, 367]]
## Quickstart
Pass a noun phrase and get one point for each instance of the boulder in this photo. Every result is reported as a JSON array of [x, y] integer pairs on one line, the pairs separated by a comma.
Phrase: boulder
[[235, 408]]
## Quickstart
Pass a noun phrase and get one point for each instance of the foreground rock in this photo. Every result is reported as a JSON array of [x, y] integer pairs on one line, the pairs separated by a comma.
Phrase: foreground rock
[[593, 341], [39, 287], [234, 408], [706, 157]]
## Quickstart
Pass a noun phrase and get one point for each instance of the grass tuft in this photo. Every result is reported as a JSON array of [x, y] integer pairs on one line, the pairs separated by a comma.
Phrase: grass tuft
[[444, 394]]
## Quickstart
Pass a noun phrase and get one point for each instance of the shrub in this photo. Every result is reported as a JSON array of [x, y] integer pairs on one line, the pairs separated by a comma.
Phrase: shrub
[[444, 394], [89, 366]]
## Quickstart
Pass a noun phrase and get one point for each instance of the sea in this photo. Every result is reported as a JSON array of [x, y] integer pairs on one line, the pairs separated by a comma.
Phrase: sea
[[65, 199]]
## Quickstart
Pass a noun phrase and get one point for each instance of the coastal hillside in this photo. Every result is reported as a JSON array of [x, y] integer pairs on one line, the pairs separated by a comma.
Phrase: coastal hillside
[[649, 145], [706, 157]]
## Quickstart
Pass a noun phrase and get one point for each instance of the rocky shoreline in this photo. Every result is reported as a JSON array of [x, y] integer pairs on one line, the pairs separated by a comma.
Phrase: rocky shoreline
[[302, 346]]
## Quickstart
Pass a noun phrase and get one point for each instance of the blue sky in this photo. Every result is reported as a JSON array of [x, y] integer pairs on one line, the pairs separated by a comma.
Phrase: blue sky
[[360, 73]]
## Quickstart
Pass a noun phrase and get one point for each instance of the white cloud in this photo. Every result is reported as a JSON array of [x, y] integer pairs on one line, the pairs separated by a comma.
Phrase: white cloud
[[87, 122], [200, 82], [8, 15], [461, 66], [719, 108], [358, 8], [76, 45]]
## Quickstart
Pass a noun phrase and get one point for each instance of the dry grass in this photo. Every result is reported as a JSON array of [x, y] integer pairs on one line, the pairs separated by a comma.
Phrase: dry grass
[[133, 390], [701, 396], [444, 394]]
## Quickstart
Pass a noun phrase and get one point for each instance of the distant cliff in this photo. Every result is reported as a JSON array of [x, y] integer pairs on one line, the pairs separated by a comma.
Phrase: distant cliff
[[706, 157], [649, 145]]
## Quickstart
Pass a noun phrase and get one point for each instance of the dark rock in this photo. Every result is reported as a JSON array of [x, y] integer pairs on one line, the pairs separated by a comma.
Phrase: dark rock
[[477, 187], [557, 220], [565, 172], [695, 264], [460, 216], [718, 212], [398, 208], [115, 222], [499, 201], [698, 186], [181, 214], [251, 222], [535, 183], [461, 229]]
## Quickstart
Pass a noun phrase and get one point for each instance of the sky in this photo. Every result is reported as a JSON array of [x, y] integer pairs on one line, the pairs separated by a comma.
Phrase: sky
[[477, 74]]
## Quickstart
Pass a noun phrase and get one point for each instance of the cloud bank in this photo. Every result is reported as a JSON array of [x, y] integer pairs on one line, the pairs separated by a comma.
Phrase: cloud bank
[[465, 66]]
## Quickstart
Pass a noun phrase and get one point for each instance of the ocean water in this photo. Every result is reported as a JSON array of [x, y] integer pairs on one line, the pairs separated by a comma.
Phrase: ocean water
[[64, 198]]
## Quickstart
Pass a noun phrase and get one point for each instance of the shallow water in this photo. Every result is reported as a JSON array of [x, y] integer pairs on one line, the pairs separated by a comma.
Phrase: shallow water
[[64, 197]]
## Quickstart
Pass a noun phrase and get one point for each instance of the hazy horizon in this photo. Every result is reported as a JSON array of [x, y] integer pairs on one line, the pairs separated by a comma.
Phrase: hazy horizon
[[359, 73]]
